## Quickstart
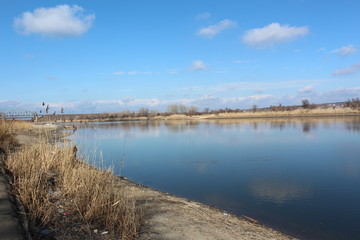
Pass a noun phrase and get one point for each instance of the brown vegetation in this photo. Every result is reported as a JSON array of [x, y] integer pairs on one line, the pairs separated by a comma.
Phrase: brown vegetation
[[353, 103], [69, 198], [7, 131]]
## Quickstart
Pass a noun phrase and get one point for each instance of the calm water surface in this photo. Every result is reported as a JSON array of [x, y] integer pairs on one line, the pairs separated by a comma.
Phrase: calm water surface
[[299, 176]]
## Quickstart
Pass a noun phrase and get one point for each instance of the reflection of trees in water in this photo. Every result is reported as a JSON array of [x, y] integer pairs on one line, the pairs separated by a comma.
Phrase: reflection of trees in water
[[113, 130], [282, 124], [140, 125], [277, 125], [127, 125], [353, 126], [181, 125], [308, 126]]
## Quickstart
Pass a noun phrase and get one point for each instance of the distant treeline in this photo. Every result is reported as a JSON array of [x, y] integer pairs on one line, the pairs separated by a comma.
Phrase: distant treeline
[[190, 111]]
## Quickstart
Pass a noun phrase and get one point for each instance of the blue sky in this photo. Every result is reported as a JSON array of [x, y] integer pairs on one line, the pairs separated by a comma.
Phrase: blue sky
[[109, 56]]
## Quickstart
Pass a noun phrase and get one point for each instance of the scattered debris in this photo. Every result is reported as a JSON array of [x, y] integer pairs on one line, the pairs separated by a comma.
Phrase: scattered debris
[[250, 219]]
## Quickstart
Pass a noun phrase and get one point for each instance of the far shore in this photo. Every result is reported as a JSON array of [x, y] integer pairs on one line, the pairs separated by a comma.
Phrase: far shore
[[293, 114]]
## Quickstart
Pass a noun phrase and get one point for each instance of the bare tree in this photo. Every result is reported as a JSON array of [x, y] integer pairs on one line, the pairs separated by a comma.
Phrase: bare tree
[[193, 110], [305, 103], [174, 108], [353, 103], [182, 108], [255, 108], [143, 112], [154, 113]]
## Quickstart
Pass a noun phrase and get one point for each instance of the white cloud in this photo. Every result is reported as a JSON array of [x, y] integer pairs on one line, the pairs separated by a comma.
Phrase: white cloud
[[279, 192], [211, 101], [198, 65], [272, 34], [203, 16], [348, 70], [344, 51], [172, 72], [119, 73], [59, 21], [213, 30], [306, 89], [340, 94], [255, 97], [133, 73], [260, 85]]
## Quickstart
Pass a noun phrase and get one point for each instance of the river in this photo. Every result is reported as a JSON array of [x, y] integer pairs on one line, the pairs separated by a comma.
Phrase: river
[[299, 176]]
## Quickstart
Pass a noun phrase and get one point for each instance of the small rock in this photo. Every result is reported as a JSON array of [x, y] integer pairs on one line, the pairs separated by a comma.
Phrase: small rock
[[61, 210], [46, 232]]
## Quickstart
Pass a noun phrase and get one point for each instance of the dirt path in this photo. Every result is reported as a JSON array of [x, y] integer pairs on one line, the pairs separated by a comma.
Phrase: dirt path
[[170, 217], [10, 224]]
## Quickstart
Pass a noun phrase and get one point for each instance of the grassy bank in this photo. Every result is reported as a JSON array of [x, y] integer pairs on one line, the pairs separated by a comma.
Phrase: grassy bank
[[297, 113], [63, 197], [7, 131], [267, 113], [327, 112]]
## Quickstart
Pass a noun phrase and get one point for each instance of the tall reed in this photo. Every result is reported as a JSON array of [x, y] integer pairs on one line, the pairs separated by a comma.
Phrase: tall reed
[[7, 130], [58, 189]]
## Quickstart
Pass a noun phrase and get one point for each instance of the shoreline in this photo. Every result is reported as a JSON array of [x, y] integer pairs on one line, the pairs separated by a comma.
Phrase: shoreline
[[294, 114], [169, 216]]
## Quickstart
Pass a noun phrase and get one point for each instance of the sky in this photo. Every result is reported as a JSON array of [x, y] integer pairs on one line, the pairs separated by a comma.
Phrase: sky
[[110, 56]]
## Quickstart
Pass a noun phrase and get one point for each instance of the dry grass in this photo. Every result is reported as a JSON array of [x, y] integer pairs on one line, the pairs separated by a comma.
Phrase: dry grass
[[15, 125], [68, 196], [7, 130], [177, 117], [294, 113]]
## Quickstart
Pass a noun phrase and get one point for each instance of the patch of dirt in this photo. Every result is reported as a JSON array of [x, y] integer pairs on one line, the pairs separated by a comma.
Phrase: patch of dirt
[[169, 217]]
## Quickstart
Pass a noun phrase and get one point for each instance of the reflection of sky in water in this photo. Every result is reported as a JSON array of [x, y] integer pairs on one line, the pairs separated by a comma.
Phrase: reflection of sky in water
[[295, 175]]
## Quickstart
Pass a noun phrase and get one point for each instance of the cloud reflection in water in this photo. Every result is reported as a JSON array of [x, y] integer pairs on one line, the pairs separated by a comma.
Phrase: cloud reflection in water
[[279, 192]]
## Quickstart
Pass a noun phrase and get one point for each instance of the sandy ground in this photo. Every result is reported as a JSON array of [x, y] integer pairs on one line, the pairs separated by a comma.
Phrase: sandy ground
[[169, 217]]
